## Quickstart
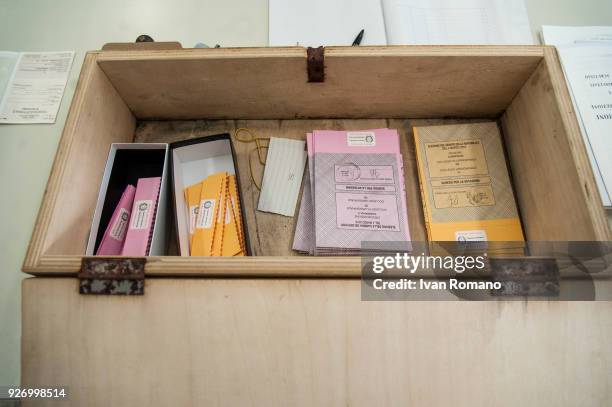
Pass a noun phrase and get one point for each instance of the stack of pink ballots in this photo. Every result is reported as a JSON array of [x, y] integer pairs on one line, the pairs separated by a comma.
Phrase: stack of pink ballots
[[354, 194], [130, 229]]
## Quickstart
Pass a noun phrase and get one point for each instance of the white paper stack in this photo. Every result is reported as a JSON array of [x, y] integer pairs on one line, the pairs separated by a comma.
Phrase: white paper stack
[[282, 176], [586, 57], [398, 22]]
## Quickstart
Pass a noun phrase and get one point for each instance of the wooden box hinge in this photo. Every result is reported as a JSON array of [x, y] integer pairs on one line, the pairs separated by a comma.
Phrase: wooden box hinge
[[112, 276], [528, 277], [315, 64]]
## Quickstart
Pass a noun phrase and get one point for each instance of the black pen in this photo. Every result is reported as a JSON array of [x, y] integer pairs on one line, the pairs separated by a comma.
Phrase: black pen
[[358, 38]]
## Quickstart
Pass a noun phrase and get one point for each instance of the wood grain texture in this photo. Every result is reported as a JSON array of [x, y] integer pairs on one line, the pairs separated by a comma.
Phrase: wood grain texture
[[285, 267], [309, 343], [546, 151], [271, 234], [97, 117], [142, 46], [554, 183], [360, 82]]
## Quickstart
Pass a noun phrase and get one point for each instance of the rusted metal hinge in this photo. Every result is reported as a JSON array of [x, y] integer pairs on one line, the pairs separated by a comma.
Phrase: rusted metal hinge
[[315, 64], [530, 277], [112, 276]]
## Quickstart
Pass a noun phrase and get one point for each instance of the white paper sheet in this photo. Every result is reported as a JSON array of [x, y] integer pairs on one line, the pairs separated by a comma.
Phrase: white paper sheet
[[457, 22], [8, 61], [282, 176], [35, 88], [586, 57], [589, 71], [325, 22], [560, 35]]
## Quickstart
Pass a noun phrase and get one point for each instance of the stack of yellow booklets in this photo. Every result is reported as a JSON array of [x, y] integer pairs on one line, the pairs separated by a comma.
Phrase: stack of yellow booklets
[[465, 187], [215, 225]]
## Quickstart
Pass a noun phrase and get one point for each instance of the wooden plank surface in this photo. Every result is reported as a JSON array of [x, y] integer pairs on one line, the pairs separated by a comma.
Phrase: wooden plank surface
[[542, 135], [360, 82], [97, 117], [555, 187], [291, 342], [271, 234]]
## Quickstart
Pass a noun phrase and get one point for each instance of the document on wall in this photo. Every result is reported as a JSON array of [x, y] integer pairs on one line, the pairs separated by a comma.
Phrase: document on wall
[[32, 85], [586, 57], [8, 61], [323, 22], [457, 22], [399, 22], [588, 70]]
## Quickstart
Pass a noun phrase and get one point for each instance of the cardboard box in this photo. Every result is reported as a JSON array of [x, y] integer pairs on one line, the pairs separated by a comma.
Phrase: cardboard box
[[126, 163], [192, 161]]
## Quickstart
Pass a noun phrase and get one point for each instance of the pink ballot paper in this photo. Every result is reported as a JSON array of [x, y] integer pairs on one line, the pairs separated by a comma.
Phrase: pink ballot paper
[[358, 190], [142, 219], [114, 236]]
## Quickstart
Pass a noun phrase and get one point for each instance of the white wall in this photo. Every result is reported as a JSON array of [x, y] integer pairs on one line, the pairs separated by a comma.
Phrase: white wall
[[27, 151]]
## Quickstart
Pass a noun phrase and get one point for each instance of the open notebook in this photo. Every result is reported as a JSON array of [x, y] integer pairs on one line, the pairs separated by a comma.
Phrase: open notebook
[[399, 22]]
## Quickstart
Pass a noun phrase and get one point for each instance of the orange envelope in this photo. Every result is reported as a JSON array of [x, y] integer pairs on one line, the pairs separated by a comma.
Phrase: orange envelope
[[233, 243], [192, 197], [206, 222], [219, 237], [236, 215]]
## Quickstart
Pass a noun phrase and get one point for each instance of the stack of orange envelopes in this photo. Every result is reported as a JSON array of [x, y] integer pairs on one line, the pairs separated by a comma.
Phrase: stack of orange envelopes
[[215, 224]]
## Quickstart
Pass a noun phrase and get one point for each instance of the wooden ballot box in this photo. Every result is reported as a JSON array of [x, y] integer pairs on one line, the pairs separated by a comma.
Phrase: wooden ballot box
[[275, 328]]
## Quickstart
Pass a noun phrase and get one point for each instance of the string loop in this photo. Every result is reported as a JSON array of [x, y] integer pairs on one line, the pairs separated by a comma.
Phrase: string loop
[[245, 135]]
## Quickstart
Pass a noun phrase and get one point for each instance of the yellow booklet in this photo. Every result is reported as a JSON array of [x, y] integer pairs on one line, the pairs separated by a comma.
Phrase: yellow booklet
[[465, 187], [208, 212]]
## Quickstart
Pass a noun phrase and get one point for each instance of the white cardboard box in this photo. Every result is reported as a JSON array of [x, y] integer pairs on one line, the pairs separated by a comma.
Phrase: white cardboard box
[[192, 161], [120, 170]]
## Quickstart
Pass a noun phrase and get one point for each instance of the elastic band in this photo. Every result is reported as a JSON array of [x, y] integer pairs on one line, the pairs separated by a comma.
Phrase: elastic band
[[252, 138]]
